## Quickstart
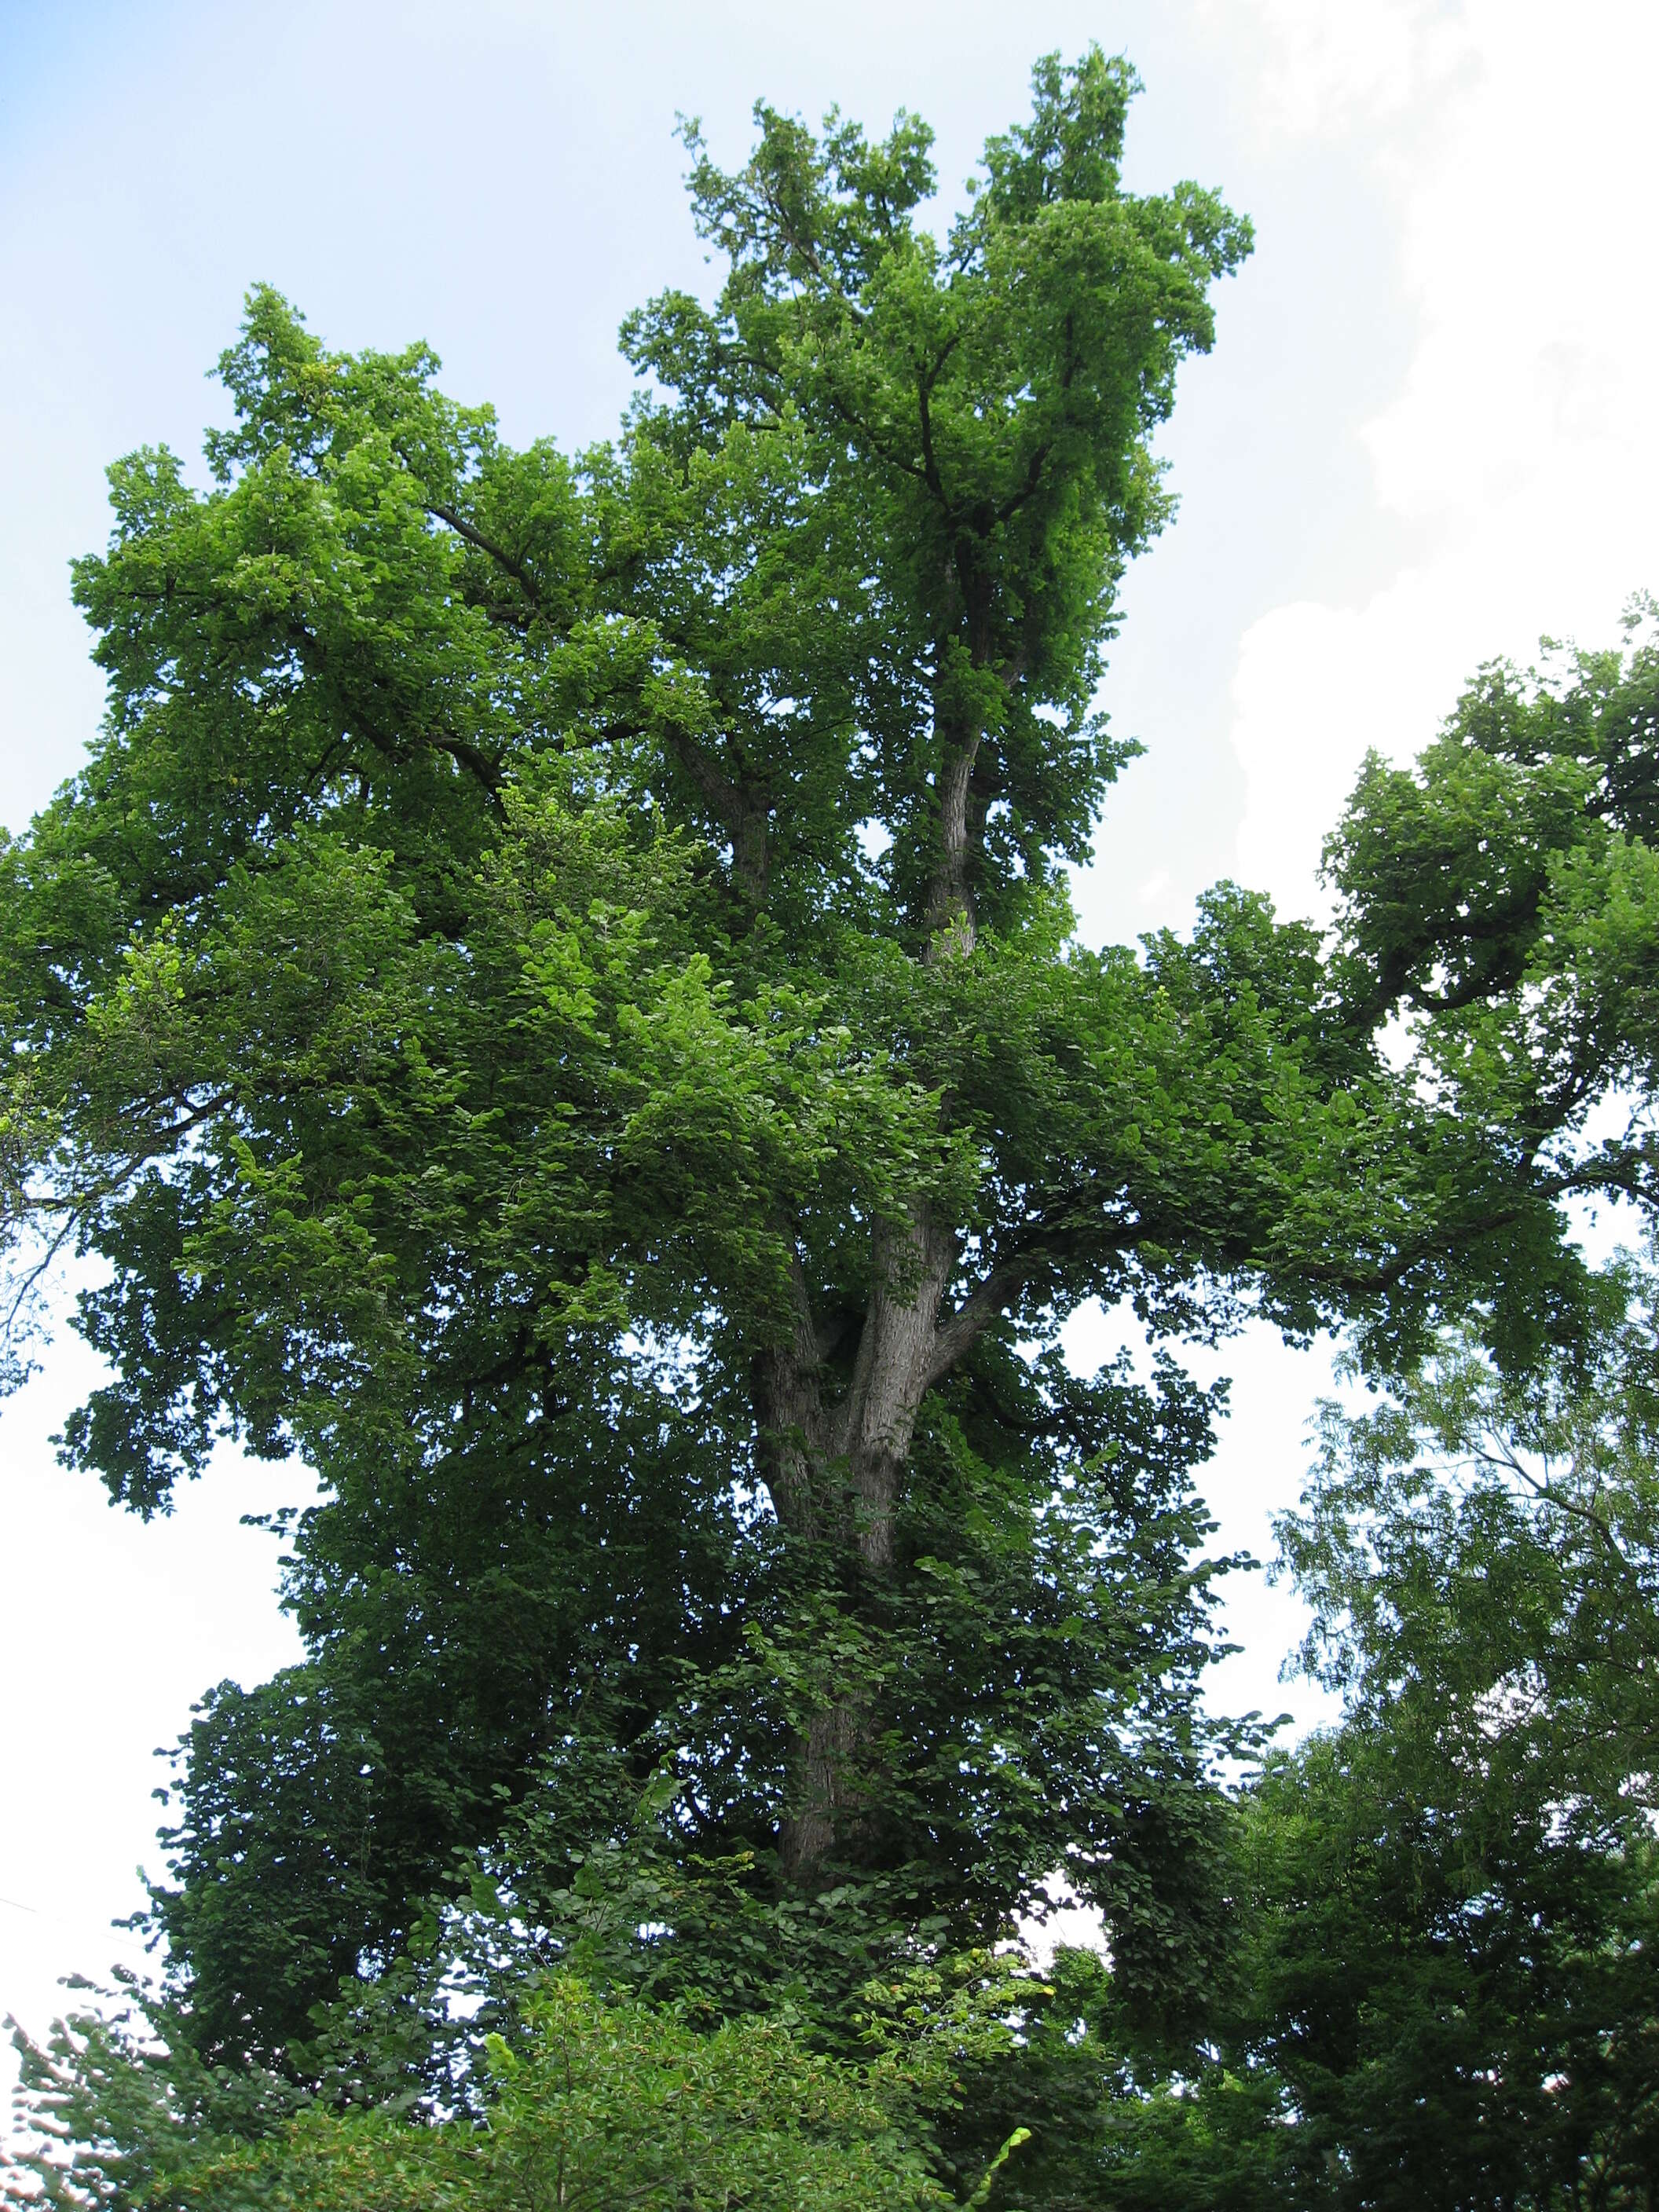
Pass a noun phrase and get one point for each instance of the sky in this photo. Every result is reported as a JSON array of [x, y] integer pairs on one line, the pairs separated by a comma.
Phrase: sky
[[1425, 439]]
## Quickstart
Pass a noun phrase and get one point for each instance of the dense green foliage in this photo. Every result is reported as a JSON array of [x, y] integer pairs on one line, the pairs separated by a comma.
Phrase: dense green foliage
[[600, 2105], [554, 1001], [1448, 1995], [591, 2094], [1476, 1845]]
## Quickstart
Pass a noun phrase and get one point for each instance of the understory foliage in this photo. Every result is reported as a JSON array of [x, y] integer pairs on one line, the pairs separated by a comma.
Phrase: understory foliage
[[554, 1002], [596, 2104]]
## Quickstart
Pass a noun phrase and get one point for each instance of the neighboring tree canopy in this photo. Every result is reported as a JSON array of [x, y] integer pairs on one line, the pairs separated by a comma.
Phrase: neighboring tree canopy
[[554, 999], [1462, 1982], [1446, 1994]]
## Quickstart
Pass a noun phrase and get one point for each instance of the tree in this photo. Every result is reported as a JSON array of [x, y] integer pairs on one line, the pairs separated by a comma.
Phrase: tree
[[554, 999], [1444, 1994], [1476, 1845]]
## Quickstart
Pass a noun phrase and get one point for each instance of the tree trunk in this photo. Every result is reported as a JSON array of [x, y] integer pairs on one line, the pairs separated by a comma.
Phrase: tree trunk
[[836, 1469], [950, 922]]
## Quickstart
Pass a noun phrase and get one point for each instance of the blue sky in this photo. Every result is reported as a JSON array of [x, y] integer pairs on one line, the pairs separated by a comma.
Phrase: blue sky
[[1425, 436]]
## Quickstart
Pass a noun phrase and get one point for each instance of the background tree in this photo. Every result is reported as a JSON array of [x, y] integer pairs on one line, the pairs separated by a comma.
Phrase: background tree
[[1445, 1994], [1476, 1844]]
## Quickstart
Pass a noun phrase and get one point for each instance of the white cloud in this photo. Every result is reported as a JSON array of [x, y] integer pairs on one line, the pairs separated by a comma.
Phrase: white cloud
[[1320, 69], [1521, 448]]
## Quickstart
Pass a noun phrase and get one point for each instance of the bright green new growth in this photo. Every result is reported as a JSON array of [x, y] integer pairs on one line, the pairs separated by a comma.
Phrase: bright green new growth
[[554, 999]]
